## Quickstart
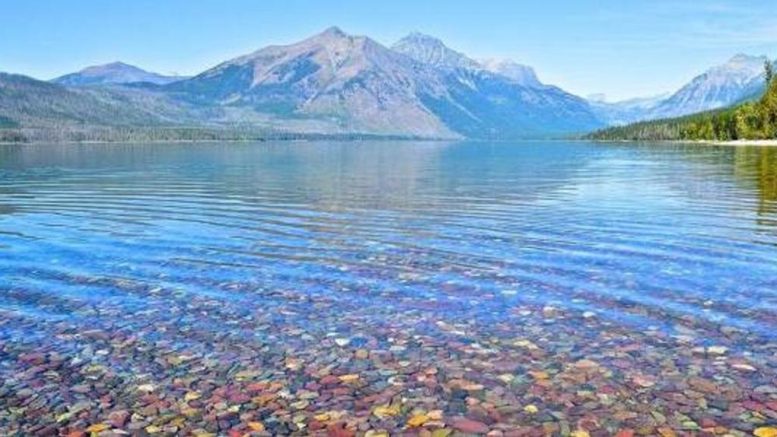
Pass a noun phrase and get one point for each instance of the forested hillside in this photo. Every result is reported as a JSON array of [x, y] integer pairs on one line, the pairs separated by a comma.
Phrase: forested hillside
[[754, 120]]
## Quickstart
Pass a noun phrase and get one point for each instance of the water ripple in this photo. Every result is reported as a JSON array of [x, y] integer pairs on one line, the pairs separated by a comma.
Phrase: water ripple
[[642, 236]]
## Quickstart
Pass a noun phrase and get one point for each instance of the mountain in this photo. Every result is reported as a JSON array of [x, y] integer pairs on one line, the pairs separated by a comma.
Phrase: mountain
[[480, 102], [521, 74], [31, 109], [114, 73], [625, 111], [350, 81], [739, 79], [753, 119], [718, 87], [35, 103], [433, 52], [419, 87], [332, 84]]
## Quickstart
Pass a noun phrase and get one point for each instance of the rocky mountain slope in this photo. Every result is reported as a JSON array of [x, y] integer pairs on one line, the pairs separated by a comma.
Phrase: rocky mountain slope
[[718, 87], [419, 87], [39, 104]]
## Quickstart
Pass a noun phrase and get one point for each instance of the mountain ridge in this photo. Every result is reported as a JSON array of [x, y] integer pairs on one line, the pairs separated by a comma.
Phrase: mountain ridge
[[360, 84], [738, 79], [114, 73], [335, 83]]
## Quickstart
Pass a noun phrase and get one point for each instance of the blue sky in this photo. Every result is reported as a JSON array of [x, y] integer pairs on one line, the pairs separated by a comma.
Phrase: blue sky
[[622, 48]]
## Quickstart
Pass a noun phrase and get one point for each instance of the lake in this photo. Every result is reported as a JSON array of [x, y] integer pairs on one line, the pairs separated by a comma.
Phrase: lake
[[385, 287]]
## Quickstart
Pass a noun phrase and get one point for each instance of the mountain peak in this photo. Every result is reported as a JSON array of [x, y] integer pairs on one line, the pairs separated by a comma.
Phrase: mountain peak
[[113, 67], [519, 73], [432, 51], [333, 32], [743, 57], [420, 37], [719, 86], [118, 64], [741, 67], [116, 72]]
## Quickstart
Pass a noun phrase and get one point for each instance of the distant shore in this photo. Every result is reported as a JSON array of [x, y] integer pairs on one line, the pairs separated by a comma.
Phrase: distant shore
[[761, 143], [736, 143]]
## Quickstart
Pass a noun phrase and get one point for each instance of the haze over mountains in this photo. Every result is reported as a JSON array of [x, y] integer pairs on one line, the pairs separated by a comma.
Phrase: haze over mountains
[[334, 83]]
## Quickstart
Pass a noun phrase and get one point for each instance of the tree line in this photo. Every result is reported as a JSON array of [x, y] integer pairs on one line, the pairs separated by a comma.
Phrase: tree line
[[69, 133]]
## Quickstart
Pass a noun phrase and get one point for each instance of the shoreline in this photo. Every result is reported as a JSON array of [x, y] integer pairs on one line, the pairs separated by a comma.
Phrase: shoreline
[[257, 140], [735, 143], [741, 143]]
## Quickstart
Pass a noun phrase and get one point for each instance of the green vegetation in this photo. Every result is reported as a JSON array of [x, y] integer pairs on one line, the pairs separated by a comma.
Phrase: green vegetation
[[99, 134], [756, 120]]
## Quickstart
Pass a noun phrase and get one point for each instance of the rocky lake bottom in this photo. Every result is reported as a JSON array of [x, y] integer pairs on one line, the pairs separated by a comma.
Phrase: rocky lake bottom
[[375, 289]]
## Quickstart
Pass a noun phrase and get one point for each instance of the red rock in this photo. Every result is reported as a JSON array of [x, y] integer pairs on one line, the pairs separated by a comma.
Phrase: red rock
[[330, 380], [340, 391], [76, 434], [338, 430], [35, 358], [702, 385], [468, 425], [239, 398], [118, 418], [588, 423], [625, 433], [315, 425], [753, 405], [256, 387], [708, 423], [607, 389]]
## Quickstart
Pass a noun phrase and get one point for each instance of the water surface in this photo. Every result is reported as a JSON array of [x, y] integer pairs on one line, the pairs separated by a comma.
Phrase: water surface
[[180, 266]]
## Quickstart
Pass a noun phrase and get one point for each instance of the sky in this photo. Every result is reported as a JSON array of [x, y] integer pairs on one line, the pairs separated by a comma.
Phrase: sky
[[621, 48]]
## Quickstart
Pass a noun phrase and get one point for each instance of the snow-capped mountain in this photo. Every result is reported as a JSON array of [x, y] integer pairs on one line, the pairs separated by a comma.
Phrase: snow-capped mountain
[[355, 84], [521, 74], [114, 73]]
